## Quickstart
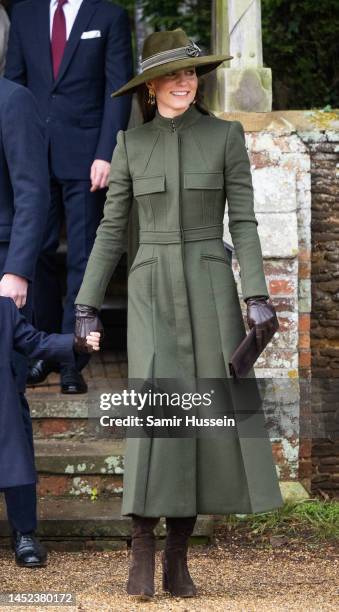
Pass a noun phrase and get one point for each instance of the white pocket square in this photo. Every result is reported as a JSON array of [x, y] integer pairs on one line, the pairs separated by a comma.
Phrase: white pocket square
[[91, 34]]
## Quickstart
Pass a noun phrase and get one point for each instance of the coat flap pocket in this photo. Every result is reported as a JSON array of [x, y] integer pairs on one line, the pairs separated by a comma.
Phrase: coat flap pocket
[[148, 184], [203, 180]]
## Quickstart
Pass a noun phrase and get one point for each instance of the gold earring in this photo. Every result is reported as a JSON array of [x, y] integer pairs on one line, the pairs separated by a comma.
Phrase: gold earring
[[151, 96]]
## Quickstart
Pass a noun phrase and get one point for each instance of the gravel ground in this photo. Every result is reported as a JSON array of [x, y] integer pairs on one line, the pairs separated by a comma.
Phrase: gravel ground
[[228, 576]]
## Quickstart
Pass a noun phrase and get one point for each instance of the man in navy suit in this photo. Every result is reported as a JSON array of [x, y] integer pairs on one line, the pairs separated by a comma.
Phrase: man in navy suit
[[24, 203], [71, 54]]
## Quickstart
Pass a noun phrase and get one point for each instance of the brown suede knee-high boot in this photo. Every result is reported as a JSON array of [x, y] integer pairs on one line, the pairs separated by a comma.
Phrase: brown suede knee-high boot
[[141, 572], [176, 577]]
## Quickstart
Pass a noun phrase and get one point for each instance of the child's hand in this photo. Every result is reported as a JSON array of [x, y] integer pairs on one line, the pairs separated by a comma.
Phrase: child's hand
[[93, 339]]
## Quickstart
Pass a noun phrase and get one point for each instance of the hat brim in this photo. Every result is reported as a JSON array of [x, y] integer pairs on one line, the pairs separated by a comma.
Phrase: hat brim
[[203, 65]]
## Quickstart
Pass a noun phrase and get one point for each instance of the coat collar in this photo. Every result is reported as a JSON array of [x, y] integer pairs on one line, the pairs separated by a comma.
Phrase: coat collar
[[180, 122]]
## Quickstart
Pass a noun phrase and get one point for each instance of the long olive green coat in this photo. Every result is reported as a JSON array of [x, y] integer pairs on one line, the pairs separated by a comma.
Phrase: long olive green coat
[[184, 315]]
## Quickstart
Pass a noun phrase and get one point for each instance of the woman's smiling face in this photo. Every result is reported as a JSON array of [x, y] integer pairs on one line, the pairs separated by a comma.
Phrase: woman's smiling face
[[175, 91]]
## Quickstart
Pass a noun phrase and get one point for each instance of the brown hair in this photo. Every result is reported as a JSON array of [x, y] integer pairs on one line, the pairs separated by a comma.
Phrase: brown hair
[[148, 110]]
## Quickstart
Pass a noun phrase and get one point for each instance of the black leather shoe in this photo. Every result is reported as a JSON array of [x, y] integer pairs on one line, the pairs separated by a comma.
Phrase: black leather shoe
[[71, 380], [29, 552], [39, 370]]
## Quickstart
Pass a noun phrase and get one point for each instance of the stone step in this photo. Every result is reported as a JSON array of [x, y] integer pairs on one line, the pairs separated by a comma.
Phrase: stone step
[[46, 401], [68, 457], [62, 429], [80, 469], [75, 524], [86, 486], [59, 416], [47, 404]]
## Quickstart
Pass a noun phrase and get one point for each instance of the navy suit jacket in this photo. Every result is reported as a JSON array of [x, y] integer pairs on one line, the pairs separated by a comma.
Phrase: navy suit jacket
[[82, 119], [16, 460], [24, 182], [11, 5]]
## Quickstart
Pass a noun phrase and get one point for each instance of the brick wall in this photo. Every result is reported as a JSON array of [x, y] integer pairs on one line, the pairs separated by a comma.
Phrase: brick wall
[[324, 152]]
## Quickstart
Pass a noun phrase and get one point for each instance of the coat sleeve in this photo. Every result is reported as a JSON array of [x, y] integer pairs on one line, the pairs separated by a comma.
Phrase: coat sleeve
[[40, 345], [242, 220], [24, 147], [118, 70], [111, 236]]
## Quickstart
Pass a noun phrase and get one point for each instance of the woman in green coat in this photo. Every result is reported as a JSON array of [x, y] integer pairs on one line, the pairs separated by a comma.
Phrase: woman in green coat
[[184, 315]]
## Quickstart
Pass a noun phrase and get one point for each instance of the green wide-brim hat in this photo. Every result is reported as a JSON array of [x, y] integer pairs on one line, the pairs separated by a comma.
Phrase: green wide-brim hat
[[168, 51]]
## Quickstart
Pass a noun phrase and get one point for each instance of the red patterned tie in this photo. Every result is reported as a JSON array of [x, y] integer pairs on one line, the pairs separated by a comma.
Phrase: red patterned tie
[[59, 37]]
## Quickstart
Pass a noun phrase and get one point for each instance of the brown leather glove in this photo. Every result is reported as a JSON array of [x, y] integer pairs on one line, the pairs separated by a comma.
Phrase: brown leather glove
[[262, 314], [86, 321]]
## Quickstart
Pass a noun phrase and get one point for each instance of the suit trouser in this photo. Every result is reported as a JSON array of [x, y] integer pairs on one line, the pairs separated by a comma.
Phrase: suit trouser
[[21, 501], [82, 211]]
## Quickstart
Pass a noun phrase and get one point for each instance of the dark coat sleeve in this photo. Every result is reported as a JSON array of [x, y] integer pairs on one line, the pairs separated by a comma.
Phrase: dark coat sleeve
[[40, 345], [118, 70], [15, 68], [26, 157]]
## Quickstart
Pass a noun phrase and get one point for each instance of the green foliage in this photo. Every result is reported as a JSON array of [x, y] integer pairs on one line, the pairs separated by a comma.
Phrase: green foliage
[[191, 15], [194, 16], [300, 43], [313, 519], [129, 5], [94, 494]]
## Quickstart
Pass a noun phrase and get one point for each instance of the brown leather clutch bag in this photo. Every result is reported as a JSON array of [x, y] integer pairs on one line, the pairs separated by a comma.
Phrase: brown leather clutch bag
[[246, 354]]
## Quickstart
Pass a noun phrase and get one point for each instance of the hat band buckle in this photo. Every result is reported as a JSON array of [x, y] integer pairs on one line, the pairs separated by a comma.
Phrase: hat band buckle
[[163, 57]]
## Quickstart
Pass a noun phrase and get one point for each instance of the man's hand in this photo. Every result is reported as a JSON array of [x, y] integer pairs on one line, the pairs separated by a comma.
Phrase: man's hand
[[14, 287], [100, 170]]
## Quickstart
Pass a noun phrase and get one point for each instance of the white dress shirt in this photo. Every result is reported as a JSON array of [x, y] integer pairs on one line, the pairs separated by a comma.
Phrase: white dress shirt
[[71, 9]]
